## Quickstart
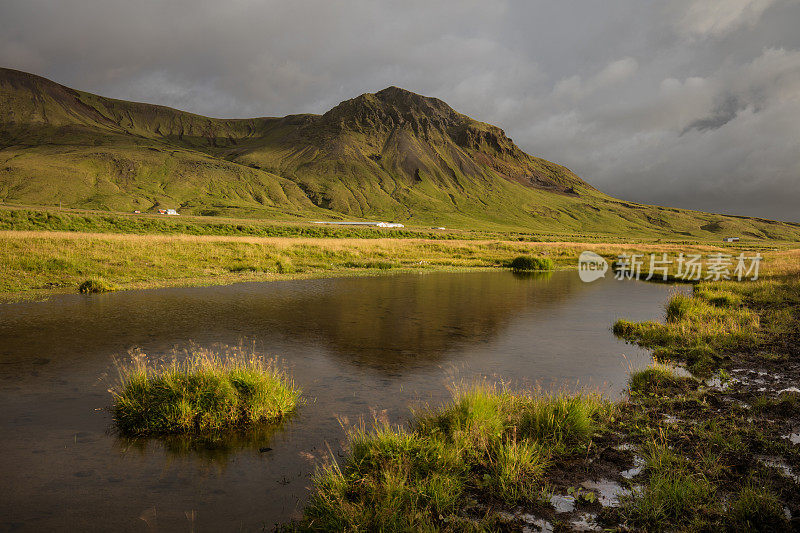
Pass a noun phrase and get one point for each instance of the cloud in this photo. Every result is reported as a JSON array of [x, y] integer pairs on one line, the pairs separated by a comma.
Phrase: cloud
[[615, 72], [717, 17], [724, 112]]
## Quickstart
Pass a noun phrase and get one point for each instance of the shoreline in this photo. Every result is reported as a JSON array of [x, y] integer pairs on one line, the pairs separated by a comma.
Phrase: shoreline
[[42, 295]]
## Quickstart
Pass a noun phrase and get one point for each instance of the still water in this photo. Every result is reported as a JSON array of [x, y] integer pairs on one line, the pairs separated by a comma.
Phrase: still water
[[356, 346]]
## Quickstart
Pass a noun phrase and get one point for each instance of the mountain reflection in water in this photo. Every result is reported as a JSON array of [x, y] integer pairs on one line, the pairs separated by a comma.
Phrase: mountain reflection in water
[[354, 345]]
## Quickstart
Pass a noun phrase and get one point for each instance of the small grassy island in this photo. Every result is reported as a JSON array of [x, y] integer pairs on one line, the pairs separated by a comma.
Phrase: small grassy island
[[204, 392], [525, 263]]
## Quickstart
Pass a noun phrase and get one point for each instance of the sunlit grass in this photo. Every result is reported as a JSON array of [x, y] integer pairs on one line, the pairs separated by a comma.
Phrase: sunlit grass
[[42, 260], [487, 440], [525, 263], [658, 379], [203, 392], [699, 328]]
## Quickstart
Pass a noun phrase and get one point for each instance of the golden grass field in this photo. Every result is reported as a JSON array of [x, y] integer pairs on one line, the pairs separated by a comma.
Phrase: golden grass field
[[32, 262]]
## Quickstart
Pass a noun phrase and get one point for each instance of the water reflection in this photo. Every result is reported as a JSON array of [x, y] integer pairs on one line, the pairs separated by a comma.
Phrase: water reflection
[[411, 321], [415, 321], [209, 448], [352, 345]]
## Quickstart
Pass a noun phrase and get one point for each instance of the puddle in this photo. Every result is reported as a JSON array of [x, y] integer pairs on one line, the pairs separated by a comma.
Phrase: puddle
[[562, 504], [608, 492], [638, 466], [534, 524], [638, 460], [719, 384], [794, 438], [775, 461], [585, 522]]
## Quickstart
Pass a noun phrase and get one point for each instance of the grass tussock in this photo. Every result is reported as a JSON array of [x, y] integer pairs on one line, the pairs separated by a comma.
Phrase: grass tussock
[[673, 494], [206, 391], [755, 508], [659, 380], [488, 442], [525, 263], [94, 286]]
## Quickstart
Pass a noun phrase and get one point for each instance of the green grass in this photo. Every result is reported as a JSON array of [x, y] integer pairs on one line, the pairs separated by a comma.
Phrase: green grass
[[698, 330], [524, 263], [202, 393], [48, 261], [703, 470], [95, 285], [488, 443], [673, 495], [84, 221], [756, 509], [658, 380]]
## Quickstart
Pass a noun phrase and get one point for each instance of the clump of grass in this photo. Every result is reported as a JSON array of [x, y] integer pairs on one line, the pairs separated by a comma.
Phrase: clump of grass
[[785, 403], [670, 498], [718, 436], [516, 468], [756, 509], [672, 495], [95, 285], [203, 392], [525, 263], [718, 297], [658, 379], [487, 441], [678, 307], [394, 480], [243, 268]]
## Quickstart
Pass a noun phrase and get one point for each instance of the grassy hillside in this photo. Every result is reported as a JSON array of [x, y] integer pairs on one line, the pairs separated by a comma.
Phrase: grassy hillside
[[392, 155]]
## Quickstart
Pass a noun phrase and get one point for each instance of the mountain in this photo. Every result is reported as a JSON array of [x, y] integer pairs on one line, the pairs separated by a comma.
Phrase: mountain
[[391, 155]]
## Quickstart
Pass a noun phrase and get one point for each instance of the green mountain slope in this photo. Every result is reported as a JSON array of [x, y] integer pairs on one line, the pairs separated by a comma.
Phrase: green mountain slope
[[388, 155]]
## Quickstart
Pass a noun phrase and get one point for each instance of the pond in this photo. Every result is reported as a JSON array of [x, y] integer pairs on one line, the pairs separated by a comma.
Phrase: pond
[[358, 347]]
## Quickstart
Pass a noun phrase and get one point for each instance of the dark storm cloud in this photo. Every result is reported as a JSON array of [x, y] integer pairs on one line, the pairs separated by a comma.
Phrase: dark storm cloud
[[689, 103], [723, 113]]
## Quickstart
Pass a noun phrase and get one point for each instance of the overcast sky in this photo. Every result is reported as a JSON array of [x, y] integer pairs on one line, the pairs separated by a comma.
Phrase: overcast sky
[[685, 103]]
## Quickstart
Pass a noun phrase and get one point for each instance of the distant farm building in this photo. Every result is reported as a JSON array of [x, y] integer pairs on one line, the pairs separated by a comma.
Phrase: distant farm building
[[731, 239], [167, 212]]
